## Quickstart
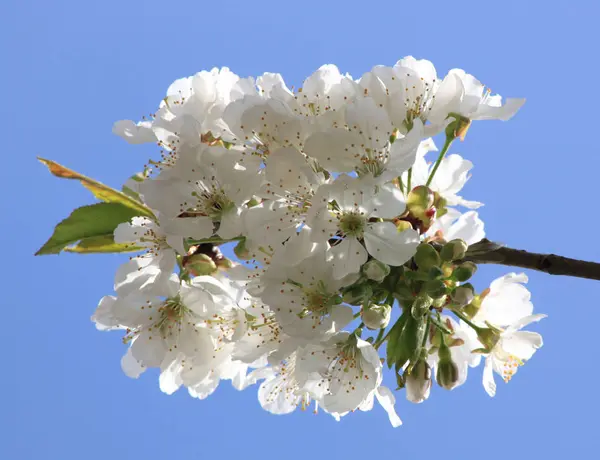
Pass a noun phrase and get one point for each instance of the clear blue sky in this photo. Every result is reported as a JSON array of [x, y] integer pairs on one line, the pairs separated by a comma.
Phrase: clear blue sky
[[71, 68]]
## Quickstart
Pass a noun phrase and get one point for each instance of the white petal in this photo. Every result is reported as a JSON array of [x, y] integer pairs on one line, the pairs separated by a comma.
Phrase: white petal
[[388, 202], [389, 246], [134, 133], [488, 377], [468, 227], [522, 344], [131, 367], [386, 398], [347, 257]]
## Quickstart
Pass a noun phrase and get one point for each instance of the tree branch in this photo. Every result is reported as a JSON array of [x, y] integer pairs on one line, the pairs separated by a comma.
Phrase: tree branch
[[488, 252]]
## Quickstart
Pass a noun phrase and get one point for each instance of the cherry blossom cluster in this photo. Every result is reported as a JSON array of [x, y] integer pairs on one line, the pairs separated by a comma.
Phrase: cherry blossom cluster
[[351, 243]]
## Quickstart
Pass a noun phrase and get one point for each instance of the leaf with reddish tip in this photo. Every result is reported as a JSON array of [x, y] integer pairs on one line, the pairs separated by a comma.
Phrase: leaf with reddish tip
[[100, 191]]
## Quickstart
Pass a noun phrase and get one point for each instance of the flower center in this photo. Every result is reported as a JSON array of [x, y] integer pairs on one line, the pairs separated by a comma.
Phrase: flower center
[[510, 367], [212, 203], [352, 224]]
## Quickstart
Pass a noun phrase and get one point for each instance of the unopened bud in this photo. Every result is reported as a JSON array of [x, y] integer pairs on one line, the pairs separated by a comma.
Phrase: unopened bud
[[427, 257], [375, 270], [241, 251], [454, 250], [402, 225], [421, 306], [358, 294], [447, 375], [376, 316], [473, 307], [200, 264], [435, 288], [403, 292], [419, 199], [464, 271], [418, 383], [463, 295], [435, 272], [459, 127], [440, 302], [440, 204]]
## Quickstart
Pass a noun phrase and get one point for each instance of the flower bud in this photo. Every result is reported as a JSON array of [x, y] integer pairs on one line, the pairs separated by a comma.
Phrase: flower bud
[[427, 257], [435, 288], [463, 295], [454, 250], [419, 200], [358, 294], [418, 383], [403, 292], [241, 251], [435, 272], [440, 302], [200, 264], [473, 307], [421, 306], [459, 127], [447, 370], [375, 270], [464, 271], [376, 316], [402, 225]]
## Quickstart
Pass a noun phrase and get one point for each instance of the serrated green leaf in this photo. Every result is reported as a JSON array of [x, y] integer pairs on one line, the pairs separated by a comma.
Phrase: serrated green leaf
[[100, 191], [101, 245], [94, 221]]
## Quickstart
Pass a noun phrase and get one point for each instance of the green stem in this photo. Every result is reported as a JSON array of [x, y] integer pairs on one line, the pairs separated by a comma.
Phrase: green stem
[[401, 184], [408, 181], [449, 140], [465, 319]]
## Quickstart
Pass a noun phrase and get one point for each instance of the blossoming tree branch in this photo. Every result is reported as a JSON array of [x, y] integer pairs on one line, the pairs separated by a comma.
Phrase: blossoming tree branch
[[342, 214]]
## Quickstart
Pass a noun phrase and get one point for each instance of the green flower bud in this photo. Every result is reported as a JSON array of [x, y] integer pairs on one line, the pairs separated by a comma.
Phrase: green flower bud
[[419, 200], [435, 288], [376, 316], [459, 127], [223, 263], [241, 251], [454, 250], [402, 225], [200, 264], [473, 307], [435, 272], [426, 257], [421, 306], [418, 382], [440, 203], [463, 295], [403, 292], [440, 302], [447, 370], [464, 271], [375, 270], [358, 294]]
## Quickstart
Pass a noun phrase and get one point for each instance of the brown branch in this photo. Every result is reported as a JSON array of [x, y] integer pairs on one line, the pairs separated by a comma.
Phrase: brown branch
[[488, 252]]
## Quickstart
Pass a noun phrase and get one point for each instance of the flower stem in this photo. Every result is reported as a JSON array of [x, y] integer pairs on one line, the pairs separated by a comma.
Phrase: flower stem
[[447, 144], [465, 319], [408, 181]]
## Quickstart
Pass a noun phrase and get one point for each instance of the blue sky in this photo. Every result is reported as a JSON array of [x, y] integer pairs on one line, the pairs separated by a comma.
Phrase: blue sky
[[71, 68]]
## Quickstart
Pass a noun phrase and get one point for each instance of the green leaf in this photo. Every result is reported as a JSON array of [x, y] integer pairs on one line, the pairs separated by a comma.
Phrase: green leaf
[[94, 221], [100, 191], [101, 245]]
